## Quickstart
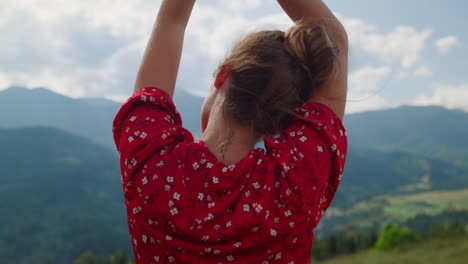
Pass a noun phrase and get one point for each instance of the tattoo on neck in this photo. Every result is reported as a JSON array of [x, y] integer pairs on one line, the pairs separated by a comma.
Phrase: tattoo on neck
[[227, 143]]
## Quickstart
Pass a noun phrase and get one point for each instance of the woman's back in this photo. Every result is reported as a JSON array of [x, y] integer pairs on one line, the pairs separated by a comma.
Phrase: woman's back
[[185, 206]]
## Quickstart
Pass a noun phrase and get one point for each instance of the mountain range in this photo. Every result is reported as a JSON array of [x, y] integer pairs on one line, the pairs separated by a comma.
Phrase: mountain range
[[61, 180], [90, 117], [400, 147], [60, 196], [408, 128]]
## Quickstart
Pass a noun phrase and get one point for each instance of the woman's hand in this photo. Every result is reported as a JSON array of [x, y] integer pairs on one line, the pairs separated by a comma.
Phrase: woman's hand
[[333, 93], [315, 11], [161, 59]]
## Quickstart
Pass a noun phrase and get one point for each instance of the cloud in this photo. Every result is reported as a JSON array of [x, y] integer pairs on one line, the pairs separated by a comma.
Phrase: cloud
[[364, 85], [450, 96], [423, 71], [215, 30], [374, 102], [74, 49], [368, 79], [211, 34], [445, 44], [241, 4], [402, 75], [78, 50], [403, 45], [5, 80]]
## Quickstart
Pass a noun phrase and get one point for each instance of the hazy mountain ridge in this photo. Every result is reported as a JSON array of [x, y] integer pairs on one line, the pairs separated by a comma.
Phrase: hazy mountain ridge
[[412, 129], [369, 173], [57, 185], [88, 117], [61, 195], [399, 147], [415, 129], [20, 107]]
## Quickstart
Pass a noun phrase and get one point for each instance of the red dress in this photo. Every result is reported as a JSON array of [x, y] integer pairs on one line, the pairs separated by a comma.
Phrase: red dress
[[185, 206]]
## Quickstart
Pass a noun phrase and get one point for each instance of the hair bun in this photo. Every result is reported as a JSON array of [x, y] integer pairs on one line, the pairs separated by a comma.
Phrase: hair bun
[[273, 72], [312, 46]]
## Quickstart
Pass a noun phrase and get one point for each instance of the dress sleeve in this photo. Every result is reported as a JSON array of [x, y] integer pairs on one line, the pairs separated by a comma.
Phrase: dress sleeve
[[146, 122], [311, 153]]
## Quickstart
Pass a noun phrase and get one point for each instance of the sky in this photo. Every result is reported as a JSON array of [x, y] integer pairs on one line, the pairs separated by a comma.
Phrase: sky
[[401, 52]]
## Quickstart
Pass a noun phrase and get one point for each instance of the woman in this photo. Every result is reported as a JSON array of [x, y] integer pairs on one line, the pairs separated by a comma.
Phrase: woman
[[220, 200]]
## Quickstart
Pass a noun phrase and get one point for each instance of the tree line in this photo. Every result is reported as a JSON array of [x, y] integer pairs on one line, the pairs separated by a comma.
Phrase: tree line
[[390, 235]]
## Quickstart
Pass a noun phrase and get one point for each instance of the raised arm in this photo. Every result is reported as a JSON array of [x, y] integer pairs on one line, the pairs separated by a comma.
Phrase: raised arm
[[161, 59], [333, 93]]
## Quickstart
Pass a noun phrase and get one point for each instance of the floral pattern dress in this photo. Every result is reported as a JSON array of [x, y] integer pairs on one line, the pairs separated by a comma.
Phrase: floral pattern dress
[[185, 206]]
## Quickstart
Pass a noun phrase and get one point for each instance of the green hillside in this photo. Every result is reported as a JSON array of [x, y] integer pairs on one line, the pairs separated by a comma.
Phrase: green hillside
[[437, 251], [396, 208], [434, 132], [409, 127], [369, 170], [61, 195], [369, 173]]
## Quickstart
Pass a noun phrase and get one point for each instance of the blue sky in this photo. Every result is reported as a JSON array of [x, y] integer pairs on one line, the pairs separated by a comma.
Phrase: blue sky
[[402, 52], [444, 18]]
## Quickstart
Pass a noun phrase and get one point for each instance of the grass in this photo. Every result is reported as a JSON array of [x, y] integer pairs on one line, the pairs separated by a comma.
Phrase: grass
[[404, 207], [435, 251], [407, 206], [394, 208]]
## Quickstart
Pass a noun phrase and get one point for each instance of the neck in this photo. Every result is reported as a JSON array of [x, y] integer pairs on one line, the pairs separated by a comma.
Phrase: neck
[[228, 141]]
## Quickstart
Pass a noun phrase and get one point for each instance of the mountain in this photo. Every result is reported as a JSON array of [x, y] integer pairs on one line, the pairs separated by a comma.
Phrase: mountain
[[21, 107], [89, 117], [388, 149], [421, 130], [61, 195], [189, 106], [61, 192], [369, 173], [432, 131]]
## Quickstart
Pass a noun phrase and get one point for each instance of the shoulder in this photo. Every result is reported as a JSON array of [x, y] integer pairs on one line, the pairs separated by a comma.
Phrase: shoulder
[[312, 119], [148, 121], [314, 138]]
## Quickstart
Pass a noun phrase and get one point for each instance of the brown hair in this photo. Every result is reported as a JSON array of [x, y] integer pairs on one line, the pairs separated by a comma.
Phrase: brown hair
[[274, 72]]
